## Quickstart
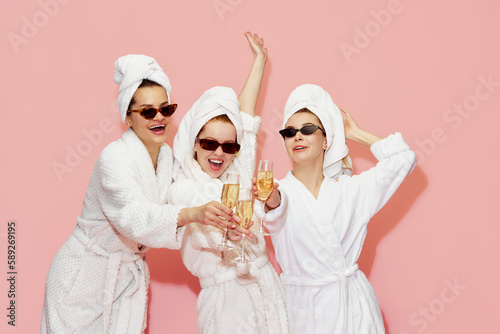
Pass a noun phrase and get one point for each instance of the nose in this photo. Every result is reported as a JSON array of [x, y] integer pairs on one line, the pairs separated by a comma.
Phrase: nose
[[158, 117], [219, 151], [298, 136]]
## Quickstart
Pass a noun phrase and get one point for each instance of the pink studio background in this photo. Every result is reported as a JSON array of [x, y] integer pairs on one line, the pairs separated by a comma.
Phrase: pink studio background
[[407, 66]]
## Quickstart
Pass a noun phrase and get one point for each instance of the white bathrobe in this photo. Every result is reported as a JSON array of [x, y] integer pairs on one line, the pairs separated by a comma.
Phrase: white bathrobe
[[318, 241], [98, 280], [235, 298]]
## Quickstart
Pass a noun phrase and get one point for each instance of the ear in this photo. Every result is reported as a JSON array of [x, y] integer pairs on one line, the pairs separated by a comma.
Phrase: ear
[[128, 121], [325, 145]]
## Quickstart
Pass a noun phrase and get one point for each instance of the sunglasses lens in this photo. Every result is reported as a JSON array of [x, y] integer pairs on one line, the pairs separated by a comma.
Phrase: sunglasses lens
[[212, 145], [230, 148], [308, 129], [289, 132], [149, 113], [209, 145], [168, 110]]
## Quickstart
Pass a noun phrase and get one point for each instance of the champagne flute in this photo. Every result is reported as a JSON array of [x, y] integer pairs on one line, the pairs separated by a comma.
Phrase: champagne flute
[[265, 184], [245, 212], [229, 198]]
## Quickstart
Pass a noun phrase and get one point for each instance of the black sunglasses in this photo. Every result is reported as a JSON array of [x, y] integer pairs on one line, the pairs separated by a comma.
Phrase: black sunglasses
[[305, 130], [150, 113], [212, 145]]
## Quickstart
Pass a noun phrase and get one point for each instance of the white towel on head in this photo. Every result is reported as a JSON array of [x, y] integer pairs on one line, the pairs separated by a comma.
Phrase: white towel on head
[[130, 70], [319, 102], [214, 102]]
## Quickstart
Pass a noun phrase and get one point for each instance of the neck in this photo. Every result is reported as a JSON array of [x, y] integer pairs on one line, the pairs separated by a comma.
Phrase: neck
[[153, 153], [311, 175]]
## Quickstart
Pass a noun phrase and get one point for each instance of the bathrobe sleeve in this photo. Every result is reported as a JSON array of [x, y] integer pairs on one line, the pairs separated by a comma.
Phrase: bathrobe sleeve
[[246, 158], [370, 190], [126, 207], [192, 193]]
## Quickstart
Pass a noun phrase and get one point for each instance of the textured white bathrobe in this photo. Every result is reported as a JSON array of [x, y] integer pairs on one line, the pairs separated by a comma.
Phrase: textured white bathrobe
[[235, 298], [318, 241], [98, 280]]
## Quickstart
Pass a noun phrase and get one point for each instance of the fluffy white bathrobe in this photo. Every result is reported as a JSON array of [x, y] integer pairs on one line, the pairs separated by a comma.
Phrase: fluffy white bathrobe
[[98, 280], [318, 241], [235, 298]]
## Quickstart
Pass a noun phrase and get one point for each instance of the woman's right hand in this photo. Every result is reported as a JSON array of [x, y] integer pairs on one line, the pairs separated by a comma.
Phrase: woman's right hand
[[274, 199], [213, 213]]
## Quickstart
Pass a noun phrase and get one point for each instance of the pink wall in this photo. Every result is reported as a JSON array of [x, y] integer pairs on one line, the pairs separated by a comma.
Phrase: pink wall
[[418, 67]]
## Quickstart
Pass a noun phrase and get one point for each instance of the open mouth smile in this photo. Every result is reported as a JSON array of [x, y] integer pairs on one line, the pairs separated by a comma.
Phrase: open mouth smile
[[158, 129]]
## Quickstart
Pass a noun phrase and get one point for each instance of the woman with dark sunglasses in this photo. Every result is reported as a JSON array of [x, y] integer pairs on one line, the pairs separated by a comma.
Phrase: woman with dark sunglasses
[[215, 137], [318, 214], [98, 281]]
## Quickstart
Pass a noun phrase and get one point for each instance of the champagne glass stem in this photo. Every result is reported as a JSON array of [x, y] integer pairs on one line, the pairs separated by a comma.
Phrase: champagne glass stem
[[243, 256], [261, 229], [224, 236]]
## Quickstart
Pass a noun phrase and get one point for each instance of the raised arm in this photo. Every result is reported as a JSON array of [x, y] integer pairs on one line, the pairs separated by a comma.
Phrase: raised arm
[[371, 189], [250, 91], [355, 133]]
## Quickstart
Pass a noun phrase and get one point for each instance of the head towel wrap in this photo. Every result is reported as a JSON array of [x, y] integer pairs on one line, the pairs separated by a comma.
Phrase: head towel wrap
[[319, 102], [130, 70], [214, 102]]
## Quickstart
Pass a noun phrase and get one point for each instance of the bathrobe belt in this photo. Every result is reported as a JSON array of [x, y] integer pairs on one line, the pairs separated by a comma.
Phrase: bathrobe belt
[[243, 273], [317, 284], [135, 264]]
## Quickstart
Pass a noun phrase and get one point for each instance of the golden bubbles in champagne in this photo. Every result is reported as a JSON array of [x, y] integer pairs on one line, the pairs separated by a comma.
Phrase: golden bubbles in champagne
[[245, 212], [265, 183], [230, 194]]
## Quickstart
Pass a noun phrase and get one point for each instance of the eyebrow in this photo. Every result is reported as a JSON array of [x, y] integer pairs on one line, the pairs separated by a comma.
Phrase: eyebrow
[[212, 138], [303, 124], [147, 105]]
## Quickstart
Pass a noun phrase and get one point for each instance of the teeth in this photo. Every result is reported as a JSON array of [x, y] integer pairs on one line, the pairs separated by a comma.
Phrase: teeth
[[215, 161], [157, 127]]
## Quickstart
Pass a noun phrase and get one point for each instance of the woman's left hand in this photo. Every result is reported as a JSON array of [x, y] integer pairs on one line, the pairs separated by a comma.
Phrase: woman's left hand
[[235, 235], [257, 45], [355, 133], [350, 126]]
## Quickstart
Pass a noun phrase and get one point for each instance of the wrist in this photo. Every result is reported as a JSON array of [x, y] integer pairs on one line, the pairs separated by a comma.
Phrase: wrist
[[184, 217], [259, 59], [273, 204]]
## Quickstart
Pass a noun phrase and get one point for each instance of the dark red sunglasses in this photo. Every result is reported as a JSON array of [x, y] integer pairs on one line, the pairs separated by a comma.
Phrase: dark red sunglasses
[[150, 113], [212, 145]]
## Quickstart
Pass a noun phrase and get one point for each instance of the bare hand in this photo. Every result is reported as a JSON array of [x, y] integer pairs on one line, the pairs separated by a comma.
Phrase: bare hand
[[257, 45], [215, 214], [274, 199], [236, 234], [350, 126]]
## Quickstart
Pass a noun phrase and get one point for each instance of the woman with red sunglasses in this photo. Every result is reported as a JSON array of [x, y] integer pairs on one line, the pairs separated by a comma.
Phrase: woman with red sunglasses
[[98, 281], [215, 138], [319, 214]]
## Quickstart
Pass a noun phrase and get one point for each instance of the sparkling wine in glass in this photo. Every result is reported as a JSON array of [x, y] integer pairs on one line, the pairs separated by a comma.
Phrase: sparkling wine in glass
[[265, 184], [229, 197], [245, 212]]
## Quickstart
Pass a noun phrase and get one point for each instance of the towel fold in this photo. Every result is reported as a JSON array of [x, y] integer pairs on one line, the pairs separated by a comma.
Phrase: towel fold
[[214, 102], [130, 70], [319, 102]]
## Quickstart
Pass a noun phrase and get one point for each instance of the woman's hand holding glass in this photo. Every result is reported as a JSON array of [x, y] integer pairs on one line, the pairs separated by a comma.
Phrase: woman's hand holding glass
[[274, 199], [212, 213]]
